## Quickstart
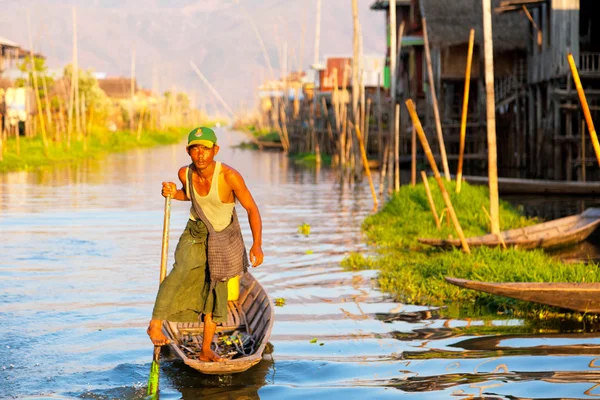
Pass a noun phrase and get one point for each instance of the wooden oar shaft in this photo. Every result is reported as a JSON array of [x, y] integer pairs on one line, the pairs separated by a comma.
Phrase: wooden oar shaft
[[165, 239], [465, 108], [417, 123], [584, 106]]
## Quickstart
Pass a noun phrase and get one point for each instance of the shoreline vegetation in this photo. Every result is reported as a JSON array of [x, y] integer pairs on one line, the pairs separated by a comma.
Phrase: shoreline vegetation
[[55, 119], [414, 273], [97, 143]]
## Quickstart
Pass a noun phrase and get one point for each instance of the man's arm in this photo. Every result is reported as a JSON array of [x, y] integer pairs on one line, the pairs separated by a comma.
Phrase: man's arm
[[170, 188], [241, 192]]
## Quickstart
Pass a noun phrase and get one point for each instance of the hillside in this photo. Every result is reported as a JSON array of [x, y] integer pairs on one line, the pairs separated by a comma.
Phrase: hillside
[[215, 34]]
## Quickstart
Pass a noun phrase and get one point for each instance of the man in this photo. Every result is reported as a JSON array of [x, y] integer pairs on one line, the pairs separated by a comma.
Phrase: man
[[188, 292]]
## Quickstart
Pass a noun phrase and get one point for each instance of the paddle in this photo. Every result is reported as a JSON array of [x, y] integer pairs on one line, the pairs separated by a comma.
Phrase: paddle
[[154, 369]]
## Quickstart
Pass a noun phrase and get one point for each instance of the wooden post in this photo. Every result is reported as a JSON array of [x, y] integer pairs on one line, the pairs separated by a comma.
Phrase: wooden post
[[384, 164], [397, 149], [584, 106], [583, 151], [393, 48], [35, 88], [413, 163], [417, 123], [76, 78], [355, 64], [363, 154], [491, 116], [465, 108], [436, 112], [430, 199], [132, 93]]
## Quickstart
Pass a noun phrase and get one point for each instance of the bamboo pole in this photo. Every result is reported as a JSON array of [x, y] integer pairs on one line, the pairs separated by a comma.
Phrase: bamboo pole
[[48, 109], [584, 106], [413, 160], [35, 88], [438, 225], [419, 128], [397, 149], [386, 152], [392, 126], [76, 78], [499, 234], [465, 108], [436, 111], [132, 93], [363, 154], [491, 116], [355, 62], [583, 150]]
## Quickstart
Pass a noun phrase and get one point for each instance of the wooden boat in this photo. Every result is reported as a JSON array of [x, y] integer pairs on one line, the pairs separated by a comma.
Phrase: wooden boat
[[556, 233], [250, 317], [539, 186], [582, 297]]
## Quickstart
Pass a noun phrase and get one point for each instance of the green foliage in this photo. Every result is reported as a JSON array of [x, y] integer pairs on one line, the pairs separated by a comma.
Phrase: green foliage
[[99, 142], [41, 73], [310, 158], [414, 273], [358, 262]]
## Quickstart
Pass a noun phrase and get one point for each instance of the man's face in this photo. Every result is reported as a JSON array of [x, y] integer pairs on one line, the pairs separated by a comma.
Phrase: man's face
[[202, 156]]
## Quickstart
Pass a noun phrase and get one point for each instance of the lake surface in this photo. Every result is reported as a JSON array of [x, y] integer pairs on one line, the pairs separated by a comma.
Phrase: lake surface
[[79, 274]]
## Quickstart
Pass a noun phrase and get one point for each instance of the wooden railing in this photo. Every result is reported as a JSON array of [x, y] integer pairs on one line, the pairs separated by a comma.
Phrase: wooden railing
[[589, 62]]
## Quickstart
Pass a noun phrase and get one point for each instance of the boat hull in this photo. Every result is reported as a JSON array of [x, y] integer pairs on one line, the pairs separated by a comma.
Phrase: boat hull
[[251, 314], [582, 297], [561, 232]]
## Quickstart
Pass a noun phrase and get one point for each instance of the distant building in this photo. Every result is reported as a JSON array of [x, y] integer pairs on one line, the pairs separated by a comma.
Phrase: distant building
[[117, 87]]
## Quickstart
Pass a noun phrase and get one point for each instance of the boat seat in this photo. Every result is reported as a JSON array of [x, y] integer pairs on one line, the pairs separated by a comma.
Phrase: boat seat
[[236, 321]]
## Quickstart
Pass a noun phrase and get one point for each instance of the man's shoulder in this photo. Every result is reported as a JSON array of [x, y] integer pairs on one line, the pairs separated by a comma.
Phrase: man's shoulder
[[228, 170]]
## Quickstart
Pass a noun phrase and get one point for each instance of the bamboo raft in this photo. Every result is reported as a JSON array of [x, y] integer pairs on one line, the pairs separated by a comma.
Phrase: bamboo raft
[[241, 340], [556, 233], [582, 297]]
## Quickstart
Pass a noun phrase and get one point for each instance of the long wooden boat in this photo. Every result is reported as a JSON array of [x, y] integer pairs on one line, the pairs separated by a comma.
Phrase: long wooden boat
[[250, 319], [582, 297], [556, 233], [539, 186]]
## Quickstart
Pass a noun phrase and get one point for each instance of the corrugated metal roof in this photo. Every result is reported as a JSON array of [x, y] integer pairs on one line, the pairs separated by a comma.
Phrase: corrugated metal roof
[[7, 43]]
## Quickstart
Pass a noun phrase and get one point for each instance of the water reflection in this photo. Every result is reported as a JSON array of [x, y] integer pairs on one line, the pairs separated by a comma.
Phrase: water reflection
[[79, 274]]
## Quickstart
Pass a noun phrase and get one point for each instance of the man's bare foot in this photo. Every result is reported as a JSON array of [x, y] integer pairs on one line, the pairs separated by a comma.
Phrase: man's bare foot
[[156, 334], [210, 356]]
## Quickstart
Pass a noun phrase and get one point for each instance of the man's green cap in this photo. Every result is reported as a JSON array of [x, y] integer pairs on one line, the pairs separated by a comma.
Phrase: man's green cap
[[202, 135]]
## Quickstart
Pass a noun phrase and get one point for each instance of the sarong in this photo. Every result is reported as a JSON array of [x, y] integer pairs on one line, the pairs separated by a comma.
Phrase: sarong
[[185, 293]]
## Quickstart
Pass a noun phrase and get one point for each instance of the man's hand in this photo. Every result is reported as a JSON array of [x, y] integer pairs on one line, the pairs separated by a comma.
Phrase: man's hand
[[169, 189], [256, 255]]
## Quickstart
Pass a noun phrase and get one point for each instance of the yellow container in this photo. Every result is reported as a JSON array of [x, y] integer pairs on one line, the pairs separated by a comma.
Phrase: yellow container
[[233, 288]]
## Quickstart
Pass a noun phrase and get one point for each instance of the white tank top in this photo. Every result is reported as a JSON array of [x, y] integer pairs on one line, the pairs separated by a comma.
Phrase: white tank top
[[218, 213]]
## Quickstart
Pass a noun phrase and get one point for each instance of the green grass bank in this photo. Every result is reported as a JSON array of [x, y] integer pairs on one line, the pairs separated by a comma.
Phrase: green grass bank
[[99, 142], [414, 273]]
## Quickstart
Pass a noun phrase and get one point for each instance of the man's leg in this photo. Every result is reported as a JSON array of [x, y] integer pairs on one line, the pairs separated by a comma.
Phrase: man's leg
[[156, 334], [207, 354]]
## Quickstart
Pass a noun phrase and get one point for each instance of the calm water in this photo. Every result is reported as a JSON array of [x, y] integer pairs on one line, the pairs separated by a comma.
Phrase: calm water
[[79, 272]]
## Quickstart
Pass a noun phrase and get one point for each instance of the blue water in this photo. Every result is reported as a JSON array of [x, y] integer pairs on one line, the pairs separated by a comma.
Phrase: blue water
[[79, 273]]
